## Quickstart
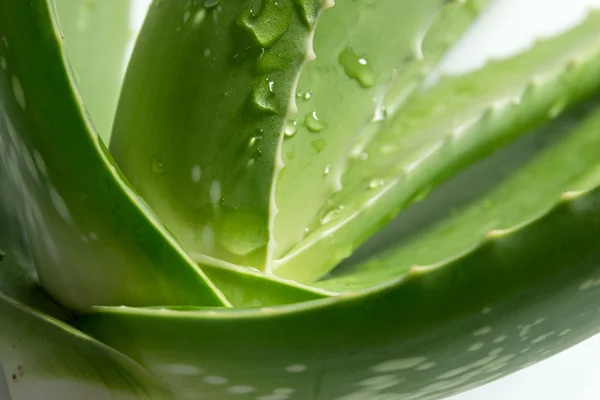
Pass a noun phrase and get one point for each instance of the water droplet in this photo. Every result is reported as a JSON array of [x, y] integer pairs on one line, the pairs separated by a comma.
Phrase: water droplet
[[207, 52], [357, 67], [304, 95], [375, 183], [210, 3], [363, 156], [291, 128], [313, 123], [318, 145], [241, 232], [327, 170], [263, 96], [331, 215], [268, 25], [156, 165]]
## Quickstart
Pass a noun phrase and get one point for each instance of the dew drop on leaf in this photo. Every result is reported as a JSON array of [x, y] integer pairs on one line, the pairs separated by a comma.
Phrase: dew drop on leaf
[[291, 128], [241, 232], [313, 123], [318, 145], [156, 165], [357, 67]]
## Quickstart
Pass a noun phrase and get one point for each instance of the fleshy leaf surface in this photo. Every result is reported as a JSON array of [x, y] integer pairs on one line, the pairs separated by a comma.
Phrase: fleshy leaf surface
[[434, 332], [97, 34], [368, 63], [41, 357], [201, 116], [568, 164], [93, 240], [444, 128]]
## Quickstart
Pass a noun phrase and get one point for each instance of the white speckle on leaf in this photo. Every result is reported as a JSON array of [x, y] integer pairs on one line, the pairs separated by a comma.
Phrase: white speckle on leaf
[[18, 92], [214, 380], [399, 364], [482, 331], [215, 192], [541, 338], [182, 369], [500, 339], [3, 63], [196, 173], [296, 368], [240, 389], [475, 346], [426, 366]]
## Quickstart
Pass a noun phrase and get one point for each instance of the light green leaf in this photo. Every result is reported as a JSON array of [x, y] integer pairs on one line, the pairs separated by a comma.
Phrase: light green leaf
[[200, 120], [569, 162], [433, 332], [92, 238], [97, 33], [42, 358], [443, 129], [368, 63]]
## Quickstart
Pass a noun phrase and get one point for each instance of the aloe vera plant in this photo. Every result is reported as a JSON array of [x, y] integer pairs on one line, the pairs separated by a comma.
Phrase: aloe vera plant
[[299, 206]]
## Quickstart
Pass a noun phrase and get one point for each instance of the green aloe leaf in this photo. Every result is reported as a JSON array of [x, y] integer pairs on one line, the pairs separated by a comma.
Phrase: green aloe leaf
[[568, 163], [206, 162], [432, 332], [41, 357], [93, 239], [97, 33], [360, 76], [443, 129]]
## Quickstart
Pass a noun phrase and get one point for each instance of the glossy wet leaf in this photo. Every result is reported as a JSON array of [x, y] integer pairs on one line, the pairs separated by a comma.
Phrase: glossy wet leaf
[[41, 357], [442, 129], [93, 239], [206, 163], [97, 33], [360, 77], [433, 332]]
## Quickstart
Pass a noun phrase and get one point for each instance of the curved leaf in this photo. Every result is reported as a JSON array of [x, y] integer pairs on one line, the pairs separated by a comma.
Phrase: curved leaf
[[206, 162], [436, 331], [93, 240], [96, 35], [368, 63], [442, 130], [43, 358], [571, 163]]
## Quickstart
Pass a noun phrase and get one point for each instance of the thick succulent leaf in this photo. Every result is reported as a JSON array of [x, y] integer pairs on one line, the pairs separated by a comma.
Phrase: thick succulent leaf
[[93, 240], [521, 296], [443, 129], [570, 163], [42, 358], [367, 64], [97, 34], [246, 288], [18, 278], [201, 115]]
